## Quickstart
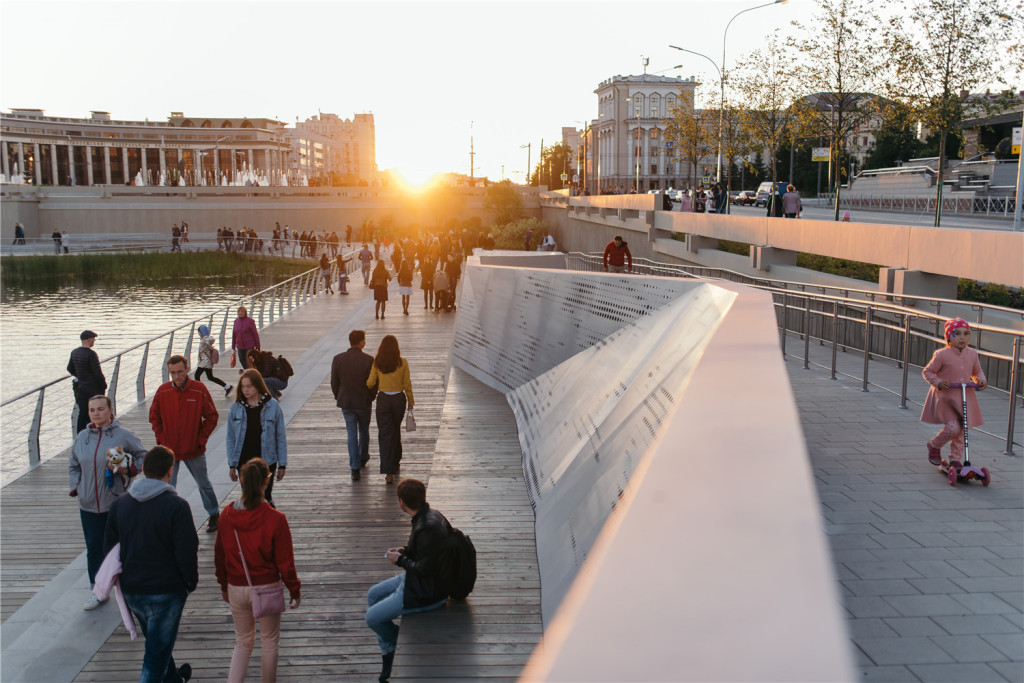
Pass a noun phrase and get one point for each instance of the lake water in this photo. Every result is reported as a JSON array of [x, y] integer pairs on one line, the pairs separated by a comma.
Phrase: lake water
[[40, 326]]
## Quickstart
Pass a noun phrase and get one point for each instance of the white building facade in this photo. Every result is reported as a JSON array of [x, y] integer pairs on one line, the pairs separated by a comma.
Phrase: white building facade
[[627, 150], [327, 146]]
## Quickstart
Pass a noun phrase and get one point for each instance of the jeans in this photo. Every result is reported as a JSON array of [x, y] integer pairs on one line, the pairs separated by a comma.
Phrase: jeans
[[390, 411], [197, 466], [158, 617], [240, 599], [384, 604], [93, 526], [357, 422], [275, 385]]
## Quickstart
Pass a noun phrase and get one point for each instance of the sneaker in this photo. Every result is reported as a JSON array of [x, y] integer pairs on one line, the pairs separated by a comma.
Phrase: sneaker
[[934, 455], [185, 672], [389, 479], [92, 603], [356, 475], [228, 388], [211, 524]]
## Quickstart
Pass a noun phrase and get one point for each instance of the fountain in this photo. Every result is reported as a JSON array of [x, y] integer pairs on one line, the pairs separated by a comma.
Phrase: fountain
[[139, 182]]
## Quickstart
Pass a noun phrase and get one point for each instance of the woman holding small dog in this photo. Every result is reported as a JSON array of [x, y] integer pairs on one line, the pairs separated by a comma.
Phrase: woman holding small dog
[[104, 457]]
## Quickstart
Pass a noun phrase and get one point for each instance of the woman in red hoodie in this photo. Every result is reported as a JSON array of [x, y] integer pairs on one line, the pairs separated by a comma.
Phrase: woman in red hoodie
[[266, 542]]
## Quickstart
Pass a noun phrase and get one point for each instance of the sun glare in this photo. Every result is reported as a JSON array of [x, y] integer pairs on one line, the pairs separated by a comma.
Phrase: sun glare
[[414, 180]]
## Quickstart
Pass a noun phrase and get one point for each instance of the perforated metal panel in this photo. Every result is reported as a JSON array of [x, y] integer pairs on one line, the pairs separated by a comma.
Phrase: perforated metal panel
[[591, 365]]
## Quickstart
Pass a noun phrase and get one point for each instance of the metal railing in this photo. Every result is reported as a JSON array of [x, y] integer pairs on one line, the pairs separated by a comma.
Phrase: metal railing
[[118, 242], [975, 206], [867, 321], [40, 423]]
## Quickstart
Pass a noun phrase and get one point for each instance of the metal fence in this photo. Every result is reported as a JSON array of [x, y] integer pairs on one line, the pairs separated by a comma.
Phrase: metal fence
[[974, 206], [40, 423], [118, 242], [877, 325]]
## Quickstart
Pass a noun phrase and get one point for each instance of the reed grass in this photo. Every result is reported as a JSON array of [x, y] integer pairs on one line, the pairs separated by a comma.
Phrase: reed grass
[[144, 267]]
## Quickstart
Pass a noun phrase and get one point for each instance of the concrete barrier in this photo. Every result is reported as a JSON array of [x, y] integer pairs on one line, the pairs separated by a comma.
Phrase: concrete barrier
[[678, 529]]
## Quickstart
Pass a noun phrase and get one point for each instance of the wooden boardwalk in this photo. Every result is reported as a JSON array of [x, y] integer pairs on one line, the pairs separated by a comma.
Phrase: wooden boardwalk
[[340, 527]]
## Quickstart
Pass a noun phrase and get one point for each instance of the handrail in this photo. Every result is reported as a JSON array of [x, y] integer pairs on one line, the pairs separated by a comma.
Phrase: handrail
[[45, 427], [895, 321]]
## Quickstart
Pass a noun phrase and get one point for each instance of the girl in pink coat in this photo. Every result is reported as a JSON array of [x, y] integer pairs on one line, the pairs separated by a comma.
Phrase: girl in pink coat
[[955, 363]]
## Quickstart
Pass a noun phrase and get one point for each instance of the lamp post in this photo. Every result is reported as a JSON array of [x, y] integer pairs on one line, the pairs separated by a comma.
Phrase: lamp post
[[721, 74], [586, 131]]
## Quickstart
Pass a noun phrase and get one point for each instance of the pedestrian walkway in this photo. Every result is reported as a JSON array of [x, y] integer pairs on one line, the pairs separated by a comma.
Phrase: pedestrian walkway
[[932, 576]]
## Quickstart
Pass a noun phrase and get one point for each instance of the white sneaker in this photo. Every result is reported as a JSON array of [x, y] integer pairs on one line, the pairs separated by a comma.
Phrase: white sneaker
[[228, 388], [92, 603]]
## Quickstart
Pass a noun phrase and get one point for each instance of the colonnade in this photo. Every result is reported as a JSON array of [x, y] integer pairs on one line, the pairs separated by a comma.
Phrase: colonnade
[[617, 161]]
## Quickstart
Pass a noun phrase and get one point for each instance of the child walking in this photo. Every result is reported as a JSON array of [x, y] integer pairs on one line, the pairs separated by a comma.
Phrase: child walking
[[955, 363]]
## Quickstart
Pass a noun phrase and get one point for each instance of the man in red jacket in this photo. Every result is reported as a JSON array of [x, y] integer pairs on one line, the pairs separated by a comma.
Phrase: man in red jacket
[[183, 417], [615, 255]]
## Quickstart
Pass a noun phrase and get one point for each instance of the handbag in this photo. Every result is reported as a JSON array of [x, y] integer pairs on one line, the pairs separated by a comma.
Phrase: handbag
[[266, 600], [410, 421], [233, 357]]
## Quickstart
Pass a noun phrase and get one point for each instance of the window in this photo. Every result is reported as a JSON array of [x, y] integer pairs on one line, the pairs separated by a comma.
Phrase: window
[[654, 169], [654, 133]]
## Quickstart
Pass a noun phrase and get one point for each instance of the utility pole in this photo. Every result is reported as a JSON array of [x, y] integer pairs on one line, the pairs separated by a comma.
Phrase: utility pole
[[471, 155], [527, 147]]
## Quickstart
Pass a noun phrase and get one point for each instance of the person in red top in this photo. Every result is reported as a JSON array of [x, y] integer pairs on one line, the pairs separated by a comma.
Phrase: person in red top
[[252, 528], [615, 255], [183, 416]]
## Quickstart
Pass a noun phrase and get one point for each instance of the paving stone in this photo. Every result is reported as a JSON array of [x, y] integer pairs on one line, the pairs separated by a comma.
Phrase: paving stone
[[873, 628], [935, 568], [908, 627], [984, 603], [903, 651], [886, 674], [1013, 672], [982, 624], [936, 586], [956, 673], [869, 607], [880, 587], [926, 605], [883, 570], [894, 540], [968, 648], [976, 568], [991, 584], [1011, 645]]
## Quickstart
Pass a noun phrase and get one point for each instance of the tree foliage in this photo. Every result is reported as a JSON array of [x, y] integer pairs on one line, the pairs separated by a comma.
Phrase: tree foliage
[[941, 50], [503, 201], [895, 138], [554, 161], [690, 130], [764, 82]]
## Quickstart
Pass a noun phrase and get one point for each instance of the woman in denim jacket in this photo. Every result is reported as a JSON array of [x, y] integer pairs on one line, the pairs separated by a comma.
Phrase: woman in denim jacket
[[256, 429]]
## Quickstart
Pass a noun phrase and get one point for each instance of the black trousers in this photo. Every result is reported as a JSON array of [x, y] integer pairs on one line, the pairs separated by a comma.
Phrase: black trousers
[[390, 412]]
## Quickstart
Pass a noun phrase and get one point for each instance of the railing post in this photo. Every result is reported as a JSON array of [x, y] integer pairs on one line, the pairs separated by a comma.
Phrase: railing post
[[867, 348], [906, 360], [140, 380], [263, 304], [33, 430], [167, 356], [273, 302], [223, 328], [807, 333], [785, 312], [1014, 387], [112, 387], [977, 338], [835, 335], [188, 345]]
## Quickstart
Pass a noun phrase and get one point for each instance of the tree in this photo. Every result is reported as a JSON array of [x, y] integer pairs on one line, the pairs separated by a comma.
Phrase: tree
[[839, 66], [895, 139], [939, 52], [764, 82], [504, 202], [689, 131], [554, 161]]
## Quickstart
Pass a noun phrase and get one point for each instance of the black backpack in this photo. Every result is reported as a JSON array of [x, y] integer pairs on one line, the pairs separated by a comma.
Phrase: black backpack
[[463, 565], [286, 370]]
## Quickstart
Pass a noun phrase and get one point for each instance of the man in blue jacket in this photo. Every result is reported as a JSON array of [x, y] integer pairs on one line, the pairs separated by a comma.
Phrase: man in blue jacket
[[159, 559]]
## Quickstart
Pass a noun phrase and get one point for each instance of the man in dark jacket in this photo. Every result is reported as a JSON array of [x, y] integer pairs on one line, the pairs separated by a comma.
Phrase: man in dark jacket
[[427, 561], [84, 366], [183, 417], [349, 372], [159, 559]]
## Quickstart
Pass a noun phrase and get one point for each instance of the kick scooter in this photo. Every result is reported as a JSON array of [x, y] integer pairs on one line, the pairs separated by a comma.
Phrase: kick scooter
[[964, 471]]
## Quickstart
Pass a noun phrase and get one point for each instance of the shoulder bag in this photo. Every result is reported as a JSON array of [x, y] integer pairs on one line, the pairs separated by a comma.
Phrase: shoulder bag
[[266, 600], [410, 421]]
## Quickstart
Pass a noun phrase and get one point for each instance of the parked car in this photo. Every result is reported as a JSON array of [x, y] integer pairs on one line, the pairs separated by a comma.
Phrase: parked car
[[745, 198], [761, 199]]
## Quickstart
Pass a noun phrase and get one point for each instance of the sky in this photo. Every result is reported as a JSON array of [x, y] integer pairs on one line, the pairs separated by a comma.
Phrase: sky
[[433, 74]]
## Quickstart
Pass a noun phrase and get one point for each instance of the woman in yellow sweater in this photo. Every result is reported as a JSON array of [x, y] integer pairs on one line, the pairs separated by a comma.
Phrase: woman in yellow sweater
[[390, 374]]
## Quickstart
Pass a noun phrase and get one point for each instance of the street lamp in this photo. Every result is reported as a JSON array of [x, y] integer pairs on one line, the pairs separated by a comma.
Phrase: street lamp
[[721, 74], [586, 130]]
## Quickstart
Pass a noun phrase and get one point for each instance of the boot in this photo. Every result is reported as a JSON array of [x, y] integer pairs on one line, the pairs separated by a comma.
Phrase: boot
[[385, 671]]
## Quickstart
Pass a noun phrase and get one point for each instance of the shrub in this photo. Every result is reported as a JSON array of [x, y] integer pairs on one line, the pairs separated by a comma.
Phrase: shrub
[[513, 235]]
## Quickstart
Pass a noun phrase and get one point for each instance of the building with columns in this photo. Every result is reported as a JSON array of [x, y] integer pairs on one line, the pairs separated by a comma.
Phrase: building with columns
[[626, 143], [50, 150]]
